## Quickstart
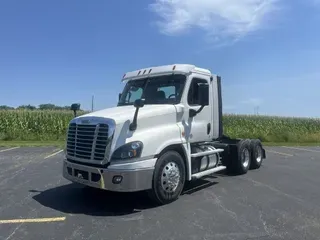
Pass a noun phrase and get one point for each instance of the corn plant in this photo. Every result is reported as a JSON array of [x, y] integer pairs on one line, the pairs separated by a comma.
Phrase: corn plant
[[36, 125]]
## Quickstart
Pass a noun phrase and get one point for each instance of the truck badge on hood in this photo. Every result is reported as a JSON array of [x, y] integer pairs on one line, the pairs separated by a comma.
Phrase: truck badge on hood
[[80, 175], [85, 121]]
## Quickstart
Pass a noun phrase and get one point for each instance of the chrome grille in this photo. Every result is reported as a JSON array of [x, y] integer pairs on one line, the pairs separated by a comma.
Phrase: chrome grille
[[87, 142]]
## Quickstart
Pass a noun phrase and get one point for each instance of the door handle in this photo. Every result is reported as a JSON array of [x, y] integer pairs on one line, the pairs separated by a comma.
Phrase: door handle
[[208, 128]]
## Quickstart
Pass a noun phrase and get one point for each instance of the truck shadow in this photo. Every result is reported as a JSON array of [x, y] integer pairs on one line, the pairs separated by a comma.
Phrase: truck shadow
[[76, 199]]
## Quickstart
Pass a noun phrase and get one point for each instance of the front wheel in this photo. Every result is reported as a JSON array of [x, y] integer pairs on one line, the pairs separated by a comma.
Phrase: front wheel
[[168, 178]]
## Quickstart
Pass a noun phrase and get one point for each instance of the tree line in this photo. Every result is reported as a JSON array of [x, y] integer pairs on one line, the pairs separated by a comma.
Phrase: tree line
[[46, 106]]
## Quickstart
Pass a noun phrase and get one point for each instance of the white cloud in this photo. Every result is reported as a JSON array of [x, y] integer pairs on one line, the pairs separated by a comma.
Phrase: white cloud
[[219, 19]]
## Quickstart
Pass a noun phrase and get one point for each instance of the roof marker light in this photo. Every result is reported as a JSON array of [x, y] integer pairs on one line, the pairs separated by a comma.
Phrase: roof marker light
[[139, 72], [124, 75], [150, 70], [144, 71], [174, 67]]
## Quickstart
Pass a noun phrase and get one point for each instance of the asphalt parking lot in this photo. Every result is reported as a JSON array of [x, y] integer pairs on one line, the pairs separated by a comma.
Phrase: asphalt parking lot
[[278, 201]]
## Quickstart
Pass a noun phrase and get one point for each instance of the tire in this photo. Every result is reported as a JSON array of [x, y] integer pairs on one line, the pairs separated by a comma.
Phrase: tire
[[256, 153], [162, 193], [243, 162]]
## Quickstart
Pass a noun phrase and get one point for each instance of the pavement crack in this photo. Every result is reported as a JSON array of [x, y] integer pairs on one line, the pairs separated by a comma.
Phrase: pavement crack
[[18, 227], [299, 200], [135, 218], [264, 223], [76, 233], [242, 223], [13, 175], [28, 197], [14, 231]]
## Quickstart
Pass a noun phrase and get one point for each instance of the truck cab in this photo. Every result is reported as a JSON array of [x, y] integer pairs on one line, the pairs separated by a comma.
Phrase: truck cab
[[166, 130]]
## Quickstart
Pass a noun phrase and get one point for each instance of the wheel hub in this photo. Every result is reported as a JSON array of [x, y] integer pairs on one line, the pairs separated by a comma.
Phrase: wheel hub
[[258, 154], [170, 177], [245, 156]]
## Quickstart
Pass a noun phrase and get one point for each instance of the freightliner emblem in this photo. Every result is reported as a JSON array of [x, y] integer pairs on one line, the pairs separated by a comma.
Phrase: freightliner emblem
[[85, 121]]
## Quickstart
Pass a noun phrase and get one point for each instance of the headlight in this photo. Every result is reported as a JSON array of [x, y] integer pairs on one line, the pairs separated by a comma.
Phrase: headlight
[[128, 151]]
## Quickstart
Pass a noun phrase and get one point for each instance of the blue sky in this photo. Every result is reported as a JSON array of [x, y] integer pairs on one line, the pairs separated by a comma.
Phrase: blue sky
[[267, 52]]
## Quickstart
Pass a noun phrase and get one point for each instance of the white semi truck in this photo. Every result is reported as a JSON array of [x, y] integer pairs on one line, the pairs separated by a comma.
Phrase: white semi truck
[[166, 130]]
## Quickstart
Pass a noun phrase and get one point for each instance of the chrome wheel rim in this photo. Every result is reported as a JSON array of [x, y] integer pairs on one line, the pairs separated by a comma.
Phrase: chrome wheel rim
[[245, 157], [258, 154], [170, 177]]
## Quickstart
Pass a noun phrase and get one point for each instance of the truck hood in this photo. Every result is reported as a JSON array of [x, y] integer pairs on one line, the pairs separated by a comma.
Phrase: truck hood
[[122, 114]]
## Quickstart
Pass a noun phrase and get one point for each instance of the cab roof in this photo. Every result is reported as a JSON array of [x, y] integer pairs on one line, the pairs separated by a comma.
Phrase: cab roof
[[165, 69]]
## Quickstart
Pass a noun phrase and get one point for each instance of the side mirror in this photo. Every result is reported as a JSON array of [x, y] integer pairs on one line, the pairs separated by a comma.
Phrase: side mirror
[[75, 107], [203, 94], [139, 103]]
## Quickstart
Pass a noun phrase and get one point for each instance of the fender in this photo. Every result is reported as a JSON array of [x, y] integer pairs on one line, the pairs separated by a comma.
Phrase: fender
[[182, 148]]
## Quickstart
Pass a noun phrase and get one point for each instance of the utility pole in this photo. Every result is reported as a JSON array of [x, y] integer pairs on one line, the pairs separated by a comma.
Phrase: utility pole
[[256, 110], [92, 103]]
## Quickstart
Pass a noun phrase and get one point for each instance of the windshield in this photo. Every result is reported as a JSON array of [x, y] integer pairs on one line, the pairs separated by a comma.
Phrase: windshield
[[155, 90]]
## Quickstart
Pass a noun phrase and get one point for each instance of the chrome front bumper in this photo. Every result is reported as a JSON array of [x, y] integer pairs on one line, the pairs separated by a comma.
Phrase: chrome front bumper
[[128, 177]]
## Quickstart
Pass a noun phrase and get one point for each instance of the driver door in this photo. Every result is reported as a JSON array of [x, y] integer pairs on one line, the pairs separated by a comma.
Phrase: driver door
[[199, 127]]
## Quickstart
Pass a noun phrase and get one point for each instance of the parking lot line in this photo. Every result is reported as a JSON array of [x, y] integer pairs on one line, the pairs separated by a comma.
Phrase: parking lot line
[[280, 153], [33, 220], [53, 154], [302, 149], [8, 149]]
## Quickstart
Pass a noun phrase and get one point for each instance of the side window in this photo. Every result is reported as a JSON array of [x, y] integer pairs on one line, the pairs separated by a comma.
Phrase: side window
[[134, 94], [169, 91], [193, 94]]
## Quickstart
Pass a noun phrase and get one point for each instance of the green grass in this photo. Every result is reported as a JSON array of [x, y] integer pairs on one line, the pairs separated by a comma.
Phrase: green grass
[[23, 127], [292, 144], [59, 144]]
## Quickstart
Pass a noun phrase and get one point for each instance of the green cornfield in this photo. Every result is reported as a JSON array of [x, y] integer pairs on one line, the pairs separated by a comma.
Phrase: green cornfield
[[273, 128], [36, 125]]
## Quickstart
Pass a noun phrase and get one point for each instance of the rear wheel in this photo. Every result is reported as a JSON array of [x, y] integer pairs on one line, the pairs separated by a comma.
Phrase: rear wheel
[[168, 178], [256, 153], [243, 162]]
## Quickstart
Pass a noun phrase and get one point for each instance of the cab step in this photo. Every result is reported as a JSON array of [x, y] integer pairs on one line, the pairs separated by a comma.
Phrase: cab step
[[207, 172]]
